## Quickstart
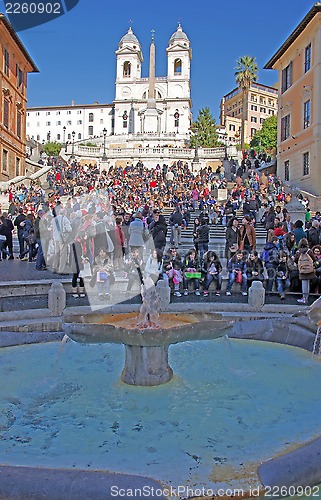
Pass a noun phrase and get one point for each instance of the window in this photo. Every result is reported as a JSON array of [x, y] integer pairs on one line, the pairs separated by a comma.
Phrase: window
[[48, 124], [253, 98], [306, 114], [69, 137], [253, 119], [38, 124], [271, 111], [19, 124], [177, 67], [6, 113], [79, 112], [127, 69], [286, 78], [307, 58], [4, 160], [79, 136], [262, 110], [58, 137], [176, 119], [17, 166], [57, 112], [262, 100], [38, 113], [306, 163], [285, 127], [47, 113], [38, 137], [253, 107], [6, 62], [79, 122], [262, 120], [91, 117], [90, 130], [253, 132], [19, 75], [101, 120], [69, 122], [58, 123], [232, 127], [287, 170], [68, 112]]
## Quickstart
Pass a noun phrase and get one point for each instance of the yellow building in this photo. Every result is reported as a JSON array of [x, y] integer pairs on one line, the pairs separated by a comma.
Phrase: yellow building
[[261, 102], [15, 65], [298, 62]]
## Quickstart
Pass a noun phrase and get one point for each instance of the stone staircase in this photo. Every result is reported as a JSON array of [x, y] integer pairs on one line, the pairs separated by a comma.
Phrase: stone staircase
[[217, 233]]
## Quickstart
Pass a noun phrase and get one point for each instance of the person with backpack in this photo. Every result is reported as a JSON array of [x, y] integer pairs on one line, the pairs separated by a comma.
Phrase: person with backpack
[[270, 259], [305, 260]]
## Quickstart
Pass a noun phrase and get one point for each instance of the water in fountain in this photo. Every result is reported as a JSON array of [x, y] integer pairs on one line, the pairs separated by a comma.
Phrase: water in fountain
[[317, 342]]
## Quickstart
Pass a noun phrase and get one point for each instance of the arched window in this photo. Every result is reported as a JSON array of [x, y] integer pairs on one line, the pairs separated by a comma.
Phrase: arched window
[[127, 69], [91, 117], [177, 66]]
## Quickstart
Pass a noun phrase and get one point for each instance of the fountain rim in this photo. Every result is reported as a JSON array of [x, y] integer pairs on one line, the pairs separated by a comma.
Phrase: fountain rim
[[270, 472]]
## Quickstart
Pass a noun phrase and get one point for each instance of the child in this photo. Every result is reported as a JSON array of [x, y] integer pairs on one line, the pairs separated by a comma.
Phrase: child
[[172, 269], [103, 269], [237, 272]]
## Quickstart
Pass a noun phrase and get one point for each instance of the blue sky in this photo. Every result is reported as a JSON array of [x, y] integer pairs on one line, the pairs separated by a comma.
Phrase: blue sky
[[76, 52]]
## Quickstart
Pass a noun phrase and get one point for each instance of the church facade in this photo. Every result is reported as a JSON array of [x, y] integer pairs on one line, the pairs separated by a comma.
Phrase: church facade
[[155, 108]]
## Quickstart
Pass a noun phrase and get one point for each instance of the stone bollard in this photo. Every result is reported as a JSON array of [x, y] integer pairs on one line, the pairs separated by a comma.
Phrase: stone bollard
[[164, 293], [56, 299], [256, 297]]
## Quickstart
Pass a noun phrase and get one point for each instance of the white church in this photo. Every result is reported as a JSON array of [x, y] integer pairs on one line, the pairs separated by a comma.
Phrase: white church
[[146, 111]]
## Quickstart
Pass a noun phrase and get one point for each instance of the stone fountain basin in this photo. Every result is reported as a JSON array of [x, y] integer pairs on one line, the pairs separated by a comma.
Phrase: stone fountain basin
[[121, 328]]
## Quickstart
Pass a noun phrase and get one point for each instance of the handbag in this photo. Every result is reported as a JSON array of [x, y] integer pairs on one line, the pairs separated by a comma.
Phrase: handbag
[[86, 271], [192, 273], [3, 237], [238, 277]]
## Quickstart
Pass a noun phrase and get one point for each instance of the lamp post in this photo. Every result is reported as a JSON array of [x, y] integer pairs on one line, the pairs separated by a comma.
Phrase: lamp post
[[104, 157], [64, 137], [196, 157], [225, 145], [73, 145]]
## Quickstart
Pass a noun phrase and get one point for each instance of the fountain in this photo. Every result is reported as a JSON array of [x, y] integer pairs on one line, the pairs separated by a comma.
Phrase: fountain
[[146, 337]]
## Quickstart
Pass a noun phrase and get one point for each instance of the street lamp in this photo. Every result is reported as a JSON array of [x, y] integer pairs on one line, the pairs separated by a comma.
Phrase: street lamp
[[196, 157], [225, 145], [104, 157], [73, 145], [64, 137]]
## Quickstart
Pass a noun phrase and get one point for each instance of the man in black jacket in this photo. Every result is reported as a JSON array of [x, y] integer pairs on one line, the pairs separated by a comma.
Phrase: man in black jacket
[[313, 234], [19, 223], [158, 230]]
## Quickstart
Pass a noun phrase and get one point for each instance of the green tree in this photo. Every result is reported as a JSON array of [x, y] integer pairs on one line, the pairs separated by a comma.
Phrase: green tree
[[266, 138], [52, 148], [246, 72], [205, 126]]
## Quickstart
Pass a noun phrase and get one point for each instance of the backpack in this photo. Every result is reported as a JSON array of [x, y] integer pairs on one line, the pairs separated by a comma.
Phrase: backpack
[[305, 264]]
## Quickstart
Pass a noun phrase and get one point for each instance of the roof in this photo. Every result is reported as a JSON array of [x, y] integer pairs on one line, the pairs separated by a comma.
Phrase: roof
[[294, 35], [70, 106], [19, 43], [129, 37], [178, 35]]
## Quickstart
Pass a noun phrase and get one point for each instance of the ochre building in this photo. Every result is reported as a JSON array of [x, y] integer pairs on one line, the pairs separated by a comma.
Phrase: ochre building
[[15, 65]]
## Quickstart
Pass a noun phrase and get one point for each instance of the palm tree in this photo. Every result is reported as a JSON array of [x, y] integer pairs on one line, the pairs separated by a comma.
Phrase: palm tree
[[245, 73]]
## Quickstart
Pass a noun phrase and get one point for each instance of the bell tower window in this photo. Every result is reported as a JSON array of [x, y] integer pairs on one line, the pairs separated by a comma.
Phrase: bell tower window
[[177, 67], [127, 69]]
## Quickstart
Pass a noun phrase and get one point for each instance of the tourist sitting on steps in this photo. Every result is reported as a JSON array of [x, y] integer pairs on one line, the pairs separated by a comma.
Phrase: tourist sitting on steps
[[237, 272], [212, 269], [191, 271]]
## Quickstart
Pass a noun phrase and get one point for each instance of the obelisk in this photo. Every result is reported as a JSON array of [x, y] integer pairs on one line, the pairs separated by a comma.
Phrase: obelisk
[[151, 116]]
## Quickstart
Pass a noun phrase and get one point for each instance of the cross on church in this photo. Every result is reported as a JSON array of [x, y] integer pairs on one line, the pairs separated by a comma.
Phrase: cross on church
[[179, 21], [130, 23]]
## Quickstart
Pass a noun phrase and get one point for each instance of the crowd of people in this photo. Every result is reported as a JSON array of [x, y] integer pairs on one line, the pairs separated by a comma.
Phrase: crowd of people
[[92, 222]]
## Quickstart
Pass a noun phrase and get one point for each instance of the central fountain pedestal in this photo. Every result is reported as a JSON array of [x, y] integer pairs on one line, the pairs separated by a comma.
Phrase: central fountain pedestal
[[146, 366], [146, 344]]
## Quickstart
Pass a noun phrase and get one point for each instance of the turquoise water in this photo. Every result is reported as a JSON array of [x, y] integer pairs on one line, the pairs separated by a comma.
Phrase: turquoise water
[[230, 401]]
